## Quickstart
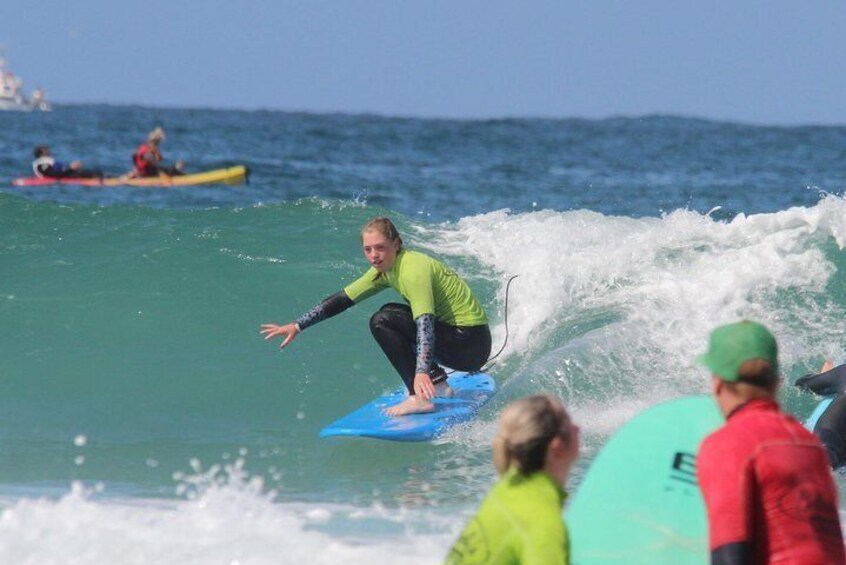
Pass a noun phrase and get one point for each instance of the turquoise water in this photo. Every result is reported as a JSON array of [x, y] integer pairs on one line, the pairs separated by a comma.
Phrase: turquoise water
[[137, 397]]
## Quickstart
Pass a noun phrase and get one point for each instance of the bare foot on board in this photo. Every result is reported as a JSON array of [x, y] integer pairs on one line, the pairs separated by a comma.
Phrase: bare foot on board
[[411, 405]]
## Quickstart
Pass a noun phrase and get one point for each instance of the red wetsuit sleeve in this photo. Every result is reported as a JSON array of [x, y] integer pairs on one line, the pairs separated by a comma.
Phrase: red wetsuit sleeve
[[728, 484]]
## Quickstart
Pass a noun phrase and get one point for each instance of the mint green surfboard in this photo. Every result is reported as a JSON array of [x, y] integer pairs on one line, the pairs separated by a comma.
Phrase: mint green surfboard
[[640, 502]]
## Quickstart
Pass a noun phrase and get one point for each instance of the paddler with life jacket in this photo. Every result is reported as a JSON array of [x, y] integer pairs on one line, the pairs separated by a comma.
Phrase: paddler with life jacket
[[45, 166], [148, 159]]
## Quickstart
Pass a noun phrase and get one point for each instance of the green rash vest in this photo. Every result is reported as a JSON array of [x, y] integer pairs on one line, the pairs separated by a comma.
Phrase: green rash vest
[[519, 522], [428, 285]]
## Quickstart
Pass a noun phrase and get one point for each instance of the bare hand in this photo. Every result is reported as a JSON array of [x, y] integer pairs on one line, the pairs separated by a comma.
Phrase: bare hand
[[270, 331], [76, 165], [423, 386]]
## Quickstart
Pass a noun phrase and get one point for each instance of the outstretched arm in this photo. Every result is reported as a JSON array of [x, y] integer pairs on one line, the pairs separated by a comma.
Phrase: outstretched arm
[[328, 307]]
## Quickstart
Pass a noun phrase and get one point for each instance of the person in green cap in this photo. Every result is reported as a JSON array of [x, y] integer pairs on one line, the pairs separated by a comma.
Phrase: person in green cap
[[765, 479], [520, 518]]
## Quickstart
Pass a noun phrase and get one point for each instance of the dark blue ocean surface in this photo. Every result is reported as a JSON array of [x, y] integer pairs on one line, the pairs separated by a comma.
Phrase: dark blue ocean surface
[[447, 169]]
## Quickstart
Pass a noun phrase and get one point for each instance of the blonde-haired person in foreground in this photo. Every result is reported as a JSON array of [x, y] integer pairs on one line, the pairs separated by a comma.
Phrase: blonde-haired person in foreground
[[520, 518]]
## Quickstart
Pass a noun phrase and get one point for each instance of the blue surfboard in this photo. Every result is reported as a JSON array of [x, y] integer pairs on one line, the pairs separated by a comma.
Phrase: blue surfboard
[[472, 391], [821, 407], [639, 502]]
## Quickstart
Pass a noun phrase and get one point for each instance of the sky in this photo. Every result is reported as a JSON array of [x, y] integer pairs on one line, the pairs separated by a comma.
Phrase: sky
[[769, 62]]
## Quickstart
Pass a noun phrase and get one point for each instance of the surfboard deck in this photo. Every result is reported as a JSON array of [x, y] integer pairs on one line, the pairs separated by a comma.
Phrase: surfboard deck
[[639, 502], [472, 391]]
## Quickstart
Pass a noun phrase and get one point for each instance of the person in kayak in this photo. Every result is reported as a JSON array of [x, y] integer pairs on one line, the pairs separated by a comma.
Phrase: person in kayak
[[148, 158], [442, 322], [765, 479], [520, 519], [45, 166]]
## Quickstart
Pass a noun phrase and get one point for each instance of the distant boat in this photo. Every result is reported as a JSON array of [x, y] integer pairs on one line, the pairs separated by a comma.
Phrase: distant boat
[[12, 96]]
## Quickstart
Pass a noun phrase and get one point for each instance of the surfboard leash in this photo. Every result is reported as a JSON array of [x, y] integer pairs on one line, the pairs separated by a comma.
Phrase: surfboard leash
[[489, 363]]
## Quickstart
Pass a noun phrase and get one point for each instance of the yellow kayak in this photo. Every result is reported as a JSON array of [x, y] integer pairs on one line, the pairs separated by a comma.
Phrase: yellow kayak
[[231, 175]]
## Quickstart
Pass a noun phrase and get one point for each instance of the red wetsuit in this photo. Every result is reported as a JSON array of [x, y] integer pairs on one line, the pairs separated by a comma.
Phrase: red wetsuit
[[767, 485]]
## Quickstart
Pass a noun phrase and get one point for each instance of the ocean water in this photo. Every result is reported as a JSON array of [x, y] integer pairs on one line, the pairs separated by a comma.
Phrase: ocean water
[[143, 419]]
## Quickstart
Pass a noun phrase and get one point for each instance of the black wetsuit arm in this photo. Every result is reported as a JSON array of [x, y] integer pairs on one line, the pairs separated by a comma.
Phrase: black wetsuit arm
[[739, 553], [328, 307], [425, 342]]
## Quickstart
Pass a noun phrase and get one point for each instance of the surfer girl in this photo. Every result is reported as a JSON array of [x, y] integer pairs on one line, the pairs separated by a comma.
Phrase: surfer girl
[[442, 321], [519, 520]]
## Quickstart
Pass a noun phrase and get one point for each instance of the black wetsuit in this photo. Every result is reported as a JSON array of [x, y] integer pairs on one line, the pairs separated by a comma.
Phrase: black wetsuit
[[831, 425], [465, 348], [49, 168], [442, 322]]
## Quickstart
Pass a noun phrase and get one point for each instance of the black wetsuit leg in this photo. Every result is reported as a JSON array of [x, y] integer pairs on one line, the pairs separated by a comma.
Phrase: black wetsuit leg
[[170, 171], [465, 348], [462, 348], [396, 333], [831, 426], [830, 382], [831, 429]]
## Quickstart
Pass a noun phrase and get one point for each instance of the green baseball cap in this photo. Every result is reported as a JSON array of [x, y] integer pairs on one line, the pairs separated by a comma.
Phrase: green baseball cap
[[732, 345]]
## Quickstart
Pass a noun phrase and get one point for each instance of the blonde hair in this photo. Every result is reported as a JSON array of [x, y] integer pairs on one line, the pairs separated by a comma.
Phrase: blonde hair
[[526, 428], [156, 135], [384, 226]]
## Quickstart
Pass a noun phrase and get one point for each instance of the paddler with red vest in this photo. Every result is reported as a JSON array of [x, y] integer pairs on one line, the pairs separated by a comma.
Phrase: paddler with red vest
[[148, 159]]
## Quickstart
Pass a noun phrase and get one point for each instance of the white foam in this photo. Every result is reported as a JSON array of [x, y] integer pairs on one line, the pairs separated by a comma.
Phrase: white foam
[[611, 311], [608, 312], [227, 522]]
